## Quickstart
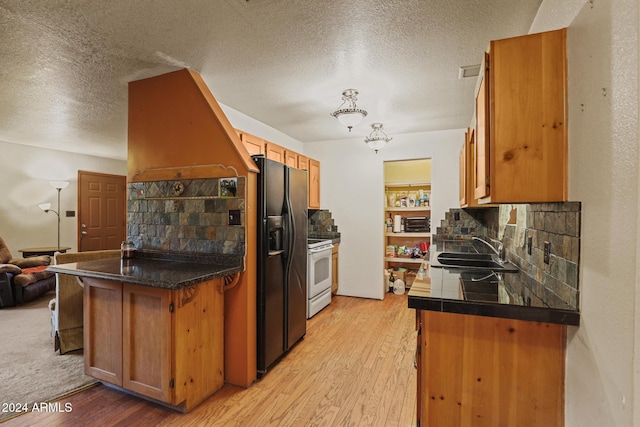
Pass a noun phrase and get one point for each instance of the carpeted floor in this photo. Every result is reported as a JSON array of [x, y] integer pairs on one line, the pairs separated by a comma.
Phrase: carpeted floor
[[30, 370]]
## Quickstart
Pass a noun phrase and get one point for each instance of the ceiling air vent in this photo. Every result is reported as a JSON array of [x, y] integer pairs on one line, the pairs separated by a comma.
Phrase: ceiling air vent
[[468, 71]]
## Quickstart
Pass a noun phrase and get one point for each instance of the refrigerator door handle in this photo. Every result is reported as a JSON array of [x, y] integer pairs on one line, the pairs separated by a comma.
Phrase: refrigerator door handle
[[290, 238]]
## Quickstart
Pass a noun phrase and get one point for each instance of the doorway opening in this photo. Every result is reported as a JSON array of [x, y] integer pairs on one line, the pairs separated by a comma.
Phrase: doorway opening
[[407, 216]]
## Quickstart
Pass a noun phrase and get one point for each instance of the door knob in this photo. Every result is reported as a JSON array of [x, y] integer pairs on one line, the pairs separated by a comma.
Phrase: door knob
[[84, 233]]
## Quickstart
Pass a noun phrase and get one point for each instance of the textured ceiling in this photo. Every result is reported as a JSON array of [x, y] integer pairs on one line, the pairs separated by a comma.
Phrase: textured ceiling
[[65, 64]]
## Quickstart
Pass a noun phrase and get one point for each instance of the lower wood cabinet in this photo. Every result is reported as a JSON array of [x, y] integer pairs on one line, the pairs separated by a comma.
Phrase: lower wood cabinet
[[334, 268], [164, 344], [484, 371]]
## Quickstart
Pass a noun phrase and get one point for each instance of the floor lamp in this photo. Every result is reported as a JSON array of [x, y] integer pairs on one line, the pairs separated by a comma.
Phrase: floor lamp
[[58, 185]]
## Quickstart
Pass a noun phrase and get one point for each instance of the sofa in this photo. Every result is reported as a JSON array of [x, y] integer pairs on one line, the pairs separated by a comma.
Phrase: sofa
[[67, 308], [23, 279]]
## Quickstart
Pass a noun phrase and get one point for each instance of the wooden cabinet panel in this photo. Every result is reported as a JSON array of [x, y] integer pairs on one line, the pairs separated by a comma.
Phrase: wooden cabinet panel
[[144, 339], [146, 330], [463, 171], [314, 184], [103, 330], [303, 162], [481, 149], [291, 158], [521, 129], [485, 371], [467, 186], [274, 152], [198, 342], [334, 268], [418, 366], [253, 144]]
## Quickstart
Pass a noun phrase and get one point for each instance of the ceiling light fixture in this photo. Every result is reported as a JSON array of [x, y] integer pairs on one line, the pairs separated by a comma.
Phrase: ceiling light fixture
[[348, 113], [377, 139]]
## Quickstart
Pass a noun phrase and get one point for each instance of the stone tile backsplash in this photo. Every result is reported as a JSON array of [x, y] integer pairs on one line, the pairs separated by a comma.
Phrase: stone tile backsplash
[[187, 215], [322, 225], [555, 283]]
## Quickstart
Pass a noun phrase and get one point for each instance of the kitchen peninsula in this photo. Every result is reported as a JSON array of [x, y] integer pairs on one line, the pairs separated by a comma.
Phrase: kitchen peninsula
[[154, 324]]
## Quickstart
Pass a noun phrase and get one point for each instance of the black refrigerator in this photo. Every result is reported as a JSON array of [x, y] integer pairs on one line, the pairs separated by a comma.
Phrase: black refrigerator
[[282, 260]]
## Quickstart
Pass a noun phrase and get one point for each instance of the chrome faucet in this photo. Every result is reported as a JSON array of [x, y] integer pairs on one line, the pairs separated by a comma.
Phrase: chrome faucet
[[500, 251]]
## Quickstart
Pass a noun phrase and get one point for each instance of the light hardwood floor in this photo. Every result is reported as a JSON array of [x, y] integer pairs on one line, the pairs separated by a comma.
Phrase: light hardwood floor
[[353, 368]]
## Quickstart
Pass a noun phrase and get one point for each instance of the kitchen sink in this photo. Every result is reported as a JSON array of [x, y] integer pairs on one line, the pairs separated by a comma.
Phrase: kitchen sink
[[465, 255], [473, 261]]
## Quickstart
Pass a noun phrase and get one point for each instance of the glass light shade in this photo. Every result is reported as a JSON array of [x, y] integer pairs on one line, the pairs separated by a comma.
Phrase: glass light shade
[[350, 118], [376, 144], [45, 206], [348, 114], [59, 185], [378, 138]]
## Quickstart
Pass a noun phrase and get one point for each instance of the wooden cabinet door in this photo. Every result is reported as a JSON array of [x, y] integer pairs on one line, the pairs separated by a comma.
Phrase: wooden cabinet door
[[303, 162], [463, 171], [253, 144], [334, 268], [314, 184], [418, 365], [528, 130], [486, 371], [103, 330], [146, 332], [481, 155], [291, 158], [274, 152]]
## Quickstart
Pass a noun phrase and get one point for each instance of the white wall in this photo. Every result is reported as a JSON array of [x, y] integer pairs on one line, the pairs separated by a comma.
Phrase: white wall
[[26, 172], [248, 124], [352, 188], [602, 366]]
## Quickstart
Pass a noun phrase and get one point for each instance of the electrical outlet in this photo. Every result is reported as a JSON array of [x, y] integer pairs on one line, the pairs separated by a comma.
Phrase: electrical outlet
[[234, 217], [547, 252], [456, 216], [529, 244]]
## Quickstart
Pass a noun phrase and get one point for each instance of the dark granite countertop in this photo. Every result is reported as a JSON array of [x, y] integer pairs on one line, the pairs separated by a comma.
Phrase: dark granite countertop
[[157, 269], [462, 291]]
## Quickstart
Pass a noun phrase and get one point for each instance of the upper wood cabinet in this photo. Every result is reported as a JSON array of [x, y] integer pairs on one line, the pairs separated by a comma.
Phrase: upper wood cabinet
[[303, 162], [467, 177], [480, 172], [253, 144], [291, 158], [521, 149], [463, 172], [314, 184], [274, 152]]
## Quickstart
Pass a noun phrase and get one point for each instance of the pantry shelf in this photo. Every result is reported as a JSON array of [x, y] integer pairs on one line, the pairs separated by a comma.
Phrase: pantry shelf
[[407, 211], [421, 209], [426, 235], [404, 260]]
